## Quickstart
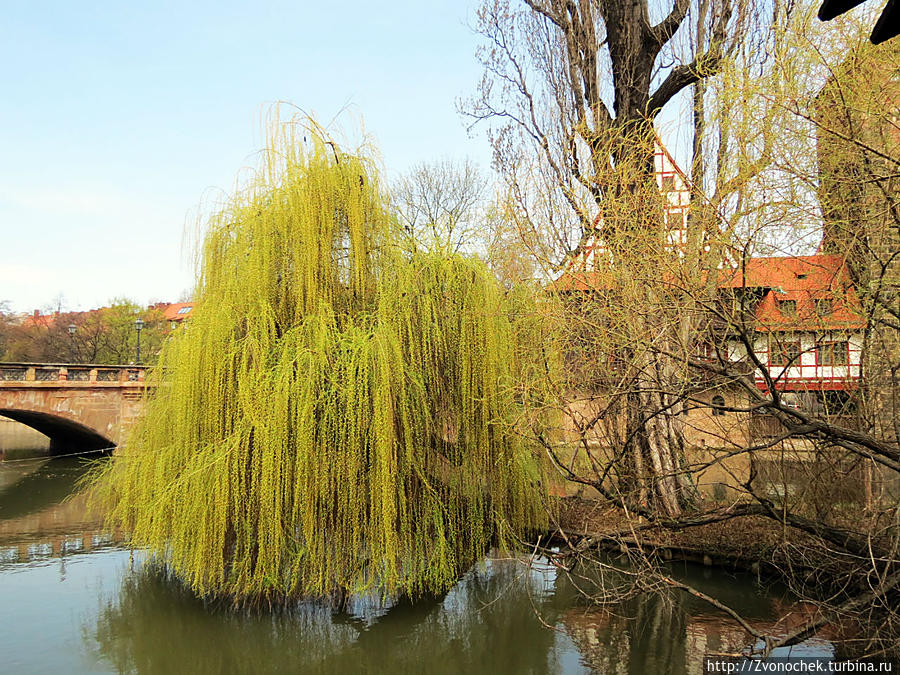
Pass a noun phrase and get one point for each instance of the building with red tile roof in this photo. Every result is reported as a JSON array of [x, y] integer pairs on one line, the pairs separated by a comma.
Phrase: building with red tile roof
[[807, 315], [177, 311], [801, 293]]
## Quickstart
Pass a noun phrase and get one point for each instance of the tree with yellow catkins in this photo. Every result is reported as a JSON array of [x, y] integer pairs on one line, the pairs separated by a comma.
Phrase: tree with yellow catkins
[[336, 417]]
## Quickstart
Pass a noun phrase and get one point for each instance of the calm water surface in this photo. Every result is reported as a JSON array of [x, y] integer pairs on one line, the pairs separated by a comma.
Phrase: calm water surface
[[73, 600]]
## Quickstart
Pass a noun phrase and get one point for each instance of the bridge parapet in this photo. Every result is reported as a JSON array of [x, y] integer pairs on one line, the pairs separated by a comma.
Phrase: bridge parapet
[[15, 374]]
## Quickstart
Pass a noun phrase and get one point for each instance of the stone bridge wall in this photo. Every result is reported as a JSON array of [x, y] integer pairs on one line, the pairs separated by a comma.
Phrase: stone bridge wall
[[83, 407]]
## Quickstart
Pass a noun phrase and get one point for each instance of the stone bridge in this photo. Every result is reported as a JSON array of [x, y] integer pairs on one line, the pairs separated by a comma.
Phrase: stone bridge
[[79, 407]]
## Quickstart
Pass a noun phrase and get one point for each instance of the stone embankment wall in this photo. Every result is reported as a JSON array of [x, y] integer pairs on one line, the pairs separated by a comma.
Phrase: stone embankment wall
[[16, 439]]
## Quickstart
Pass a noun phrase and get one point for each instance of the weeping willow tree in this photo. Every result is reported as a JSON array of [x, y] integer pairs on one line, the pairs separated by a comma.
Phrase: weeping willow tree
[[335, 417]]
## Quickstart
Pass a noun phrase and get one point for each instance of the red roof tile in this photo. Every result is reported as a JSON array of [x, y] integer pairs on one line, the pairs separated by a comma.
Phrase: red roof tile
[[178, 311], [791, 273], [819, 286]]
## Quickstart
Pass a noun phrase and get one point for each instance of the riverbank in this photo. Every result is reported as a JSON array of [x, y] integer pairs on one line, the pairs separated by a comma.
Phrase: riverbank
[[752, 543]]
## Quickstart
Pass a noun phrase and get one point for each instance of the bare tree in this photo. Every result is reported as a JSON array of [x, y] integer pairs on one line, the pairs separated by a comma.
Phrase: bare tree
[[578, 86], [105, 335], [441, 204], [658, 349]]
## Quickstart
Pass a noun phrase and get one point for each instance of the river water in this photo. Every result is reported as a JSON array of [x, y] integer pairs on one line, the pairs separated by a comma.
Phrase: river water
[[74, 600]]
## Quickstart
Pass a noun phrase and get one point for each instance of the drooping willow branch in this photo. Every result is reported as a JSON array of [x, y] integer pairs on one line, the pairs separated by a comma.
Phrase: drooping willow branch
[[335, 416]]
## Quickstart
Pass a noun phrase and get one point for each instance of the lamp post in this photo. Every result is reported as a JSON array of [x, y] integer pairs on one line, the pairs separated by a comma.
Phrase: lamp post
[[71, 329], [138, 326]]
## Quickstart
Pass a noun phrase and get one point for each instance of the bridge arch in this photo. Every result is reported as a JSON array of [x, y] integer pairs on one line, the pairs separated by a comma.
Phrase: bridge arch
[[65, 434]]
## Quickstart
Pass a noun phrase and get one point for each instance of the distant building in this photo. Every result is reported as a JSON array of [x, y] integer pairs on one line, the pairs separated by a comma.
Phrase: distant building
[[49, 320], [807, 336], [37, 318], [809, 329], [175, 313]]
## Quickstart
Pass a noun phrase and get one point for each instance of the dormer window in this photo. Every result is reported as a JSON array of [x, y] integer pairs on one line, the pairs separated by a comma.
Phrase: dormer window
[[788, 307], [824, 306]]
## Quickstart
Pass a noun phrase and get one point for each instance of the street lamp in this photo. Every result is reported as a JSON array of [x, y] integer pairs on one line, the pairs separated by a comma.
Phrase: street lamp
[[71, 329], [138, 326]]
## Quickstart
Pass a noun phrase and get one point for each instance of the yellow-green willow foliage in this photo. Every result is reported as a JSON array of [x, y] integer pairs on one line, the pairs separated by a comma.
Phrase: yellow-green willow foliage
[[334, 418]]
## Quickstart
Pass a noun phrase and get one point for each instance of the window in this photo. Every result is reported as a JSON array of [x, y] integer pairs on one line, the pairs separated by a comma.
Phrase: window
[[184, 310], [824, 306], [706, 351], [788, 307], [784, 352], [718, 402], [834, 353], [668, 182]]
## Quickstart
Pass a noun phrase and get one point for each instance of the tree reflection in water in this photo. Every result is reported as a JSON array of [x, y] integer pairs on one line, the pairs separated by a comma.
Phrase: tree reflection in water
[[495, 620], [486, 624]]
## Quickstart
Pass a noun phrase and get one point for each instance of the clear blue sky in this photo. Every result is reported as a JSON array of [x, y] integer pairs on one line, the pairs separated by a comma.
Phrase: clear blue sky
[[116, 119]]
